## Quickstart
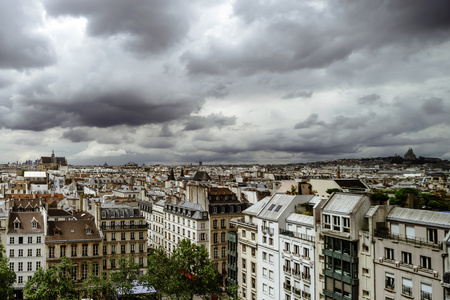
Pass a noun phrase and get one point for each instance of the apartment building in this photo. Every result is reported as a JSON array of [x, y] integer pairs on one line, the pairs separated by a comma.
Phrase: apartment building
[[243, 258], [341, 218], [185, 220], [409, 252], [124, 234], [157, 232], [79, 240], [271, 222], [25, 246]]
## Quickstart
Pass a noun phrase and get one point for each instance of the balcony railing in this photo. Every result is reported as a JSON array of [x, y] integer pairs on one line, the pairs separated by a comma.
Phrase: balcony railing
[[287, 269], [297, 291], [390, 284], [306, 276], [406, 290], [119, 227], [408, 240], [302, 236], [287, 286], [425, 296]]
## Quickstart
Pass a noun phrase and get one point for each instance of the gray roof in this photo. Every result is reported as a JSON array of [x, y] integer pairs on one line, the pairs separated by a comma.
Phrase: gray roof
[[300, 219], [256, 208], [113, 210], [418, 216], [371, 211], [278, 204], [343, 203]]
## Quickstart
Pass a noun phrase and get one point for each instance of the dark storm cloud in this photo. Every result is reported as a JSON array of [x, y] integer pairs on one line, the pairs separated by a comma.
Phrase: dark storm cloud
[[21, 46], [213, 120], [298, 94], [103, 110], [312, 120], [434, 106], [369, 99], [77, 135], [295, 36], [152, 26]]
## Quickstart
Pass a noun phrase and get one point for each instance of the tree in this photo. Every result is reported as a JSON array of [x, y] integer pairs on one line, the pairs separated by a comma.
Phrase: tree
[[53, 283], [125, 276], [185, 273], [7, 276], [334, 190], [379, 197]]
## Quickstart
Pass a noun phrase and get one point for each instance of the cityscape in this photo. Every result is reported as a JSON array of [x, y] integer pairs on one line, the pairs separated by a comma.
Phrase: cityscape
[[235, 149], [350, 229]]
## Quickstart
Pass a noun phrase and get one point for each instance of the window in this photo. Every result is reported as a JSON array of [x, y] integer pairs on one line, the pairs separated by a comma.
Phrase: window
[[244, 264], [20, 252], [85, 250], [11, 253], [264, 272], [132, 247], [34, 225], [20, 269], [216, 238], [253, 283], [271, 258], [253, 252], [243, 233], [74, 250], [270, 275], [222, 224], [84, 269], [326, 221], [20, 279], [113, 249], [95, 249], [244, 248], [407, 286], [346, 224], [30, 240], [264, 256], [215, 224], [264, 240], [30, 252], [253, 236], [141, 235], [95, 269], [270, 290], [11, 240], [38, 265], [432, 236], [122, 236], [265, 288], [141, 248], [389, 253], [394, 229], [271, 241], [406, 258], [222, 237], [287, 247], [390, 281], [38, 252], [122, 249], [426, 292], [224, 252], [337, 223], [425, 262], [253, 267], [306, 252], [296, 249], [216, 252], [51, 252], [29, 266], [11, 266], [38, 240], [410, 232]]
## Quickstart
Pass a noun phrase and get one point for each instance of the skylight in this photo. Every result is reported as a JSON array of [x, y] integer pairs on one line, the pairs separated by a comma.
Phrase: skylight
[[271, 207], [278, 208]]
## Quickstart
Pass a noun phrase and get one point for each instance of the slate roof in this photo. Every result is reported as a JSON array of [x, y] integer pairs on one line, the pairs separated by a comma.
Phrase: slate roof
[[119, 211], [343, 203], [419, 216], [25, 219], [72, 230], [301, 219]]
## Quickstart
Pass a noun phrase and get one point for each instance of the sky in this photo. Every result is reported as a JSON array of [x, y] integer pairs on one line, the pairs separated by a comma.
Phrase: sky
[[225, 82]]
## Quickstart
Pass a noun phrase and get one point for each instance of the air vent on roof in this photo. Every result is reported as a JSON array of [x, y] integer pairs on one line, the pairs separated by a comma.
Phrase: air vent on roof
[[72, 230]]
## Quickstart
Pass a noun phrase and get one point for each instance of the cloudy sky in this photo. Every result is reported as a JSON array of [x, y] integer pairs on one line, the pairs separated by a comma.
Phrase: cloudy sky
[[241, 81]]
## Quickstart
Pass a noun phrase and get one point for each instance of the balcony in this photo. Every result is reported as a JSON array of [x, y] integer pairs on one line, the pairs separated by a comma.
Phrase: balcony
[[419, 242], [122, 227], [297, 291], [302, 236], [306, 276], [425, 295], [296, 272], [306, 295], [287, 287], [287, 270], [389, 284]]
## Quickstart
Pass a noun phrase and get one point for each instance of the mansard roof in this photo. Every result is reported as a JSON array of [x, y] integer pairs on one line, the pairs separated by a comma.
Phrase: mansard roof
[[25, 219], [72, 230]]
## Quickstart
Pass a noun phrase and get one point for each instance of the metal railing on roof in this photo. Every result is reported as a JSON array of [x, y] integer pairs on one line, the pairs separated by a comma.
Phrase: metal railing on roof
[[302, 236], [408, 240]]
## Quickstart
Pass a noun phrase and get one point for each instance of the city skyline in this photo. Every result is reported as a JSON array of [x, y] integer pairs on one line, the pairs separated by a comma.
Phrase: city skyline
[[230, 82]]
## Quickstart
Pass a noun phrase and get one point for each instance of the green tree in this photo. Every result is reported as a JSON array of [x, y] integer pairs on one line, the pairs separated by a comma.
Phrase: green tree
[[188, 271], [379, 197], [53, 283], [123, 278], [98, 287], [7, 276], [401, 196]]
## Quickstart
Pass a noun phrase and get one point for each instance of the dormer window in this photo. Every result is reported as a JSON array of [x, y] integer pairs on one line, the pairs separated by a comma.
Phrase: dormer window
[[88, 229], [56, 230], [16, 223], [34, 223]]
